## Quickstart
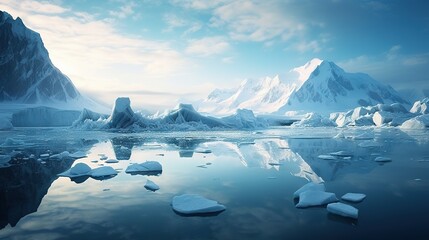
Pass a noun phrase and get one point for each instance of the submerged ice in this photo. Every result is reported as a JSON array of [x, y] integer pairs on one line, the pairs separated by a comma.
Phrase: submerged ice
[[193, 204]]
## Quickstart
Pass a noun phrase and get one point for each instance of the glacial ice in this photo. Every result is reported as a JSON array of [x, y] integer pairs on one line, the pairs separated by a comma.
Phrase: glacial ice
[[78, 170], [111, 161], [5, 124], [314, 120], [104, 171], [78, 154], [315, 198], [416, 123], [61, 155], [149, 167], [151, 186], [353, 197], [383, 159], [122, 115], [326, 157], [309, 187], [343, 210], [421, 106], [193, 204]]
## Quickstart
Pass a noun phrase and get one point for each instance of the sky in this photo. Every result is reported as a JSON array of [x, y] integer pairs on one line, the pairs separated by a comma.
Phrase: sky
[[160, 53]]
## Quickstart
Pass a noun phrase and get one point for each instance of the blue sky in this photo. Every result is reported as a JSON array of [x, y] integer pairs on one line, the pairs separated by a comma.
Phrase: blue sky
[[162, 52]]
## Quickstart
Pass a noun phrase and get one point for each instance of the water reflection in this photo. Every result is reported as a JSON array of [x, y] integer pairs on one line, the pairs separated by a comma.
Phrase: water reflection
[[255, 182]]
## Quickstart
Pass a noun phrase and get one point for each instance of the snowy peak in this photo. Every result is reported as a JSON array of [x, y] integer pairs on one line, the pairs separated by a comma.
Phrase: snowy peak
[[27, 75], [305, 70], [329, 88]]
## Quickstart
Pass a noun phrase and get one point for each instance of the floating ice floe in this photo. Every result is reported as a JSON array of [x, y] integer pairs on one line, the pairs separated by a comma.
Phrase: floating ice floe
[[383, 159], [44, 155], [311, 186], [343, 210], [104, 158], [201, 150], [315, 198], [191, 204], [104, 171], [78, 154], [326, 157], [111, 161], [341, 154], [416, 123], [61, 155], [353, 197], [149, 167], [369, 144], [151, 186], [78, 170]]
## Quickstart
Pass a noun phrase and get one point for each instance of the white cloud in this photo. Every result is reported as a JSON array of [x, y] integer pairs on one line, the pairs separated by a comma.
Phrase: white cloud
[[124, 11], [207, 46], [312, 46], [173, 22], [94, 54], [256, 21], [198, 4]]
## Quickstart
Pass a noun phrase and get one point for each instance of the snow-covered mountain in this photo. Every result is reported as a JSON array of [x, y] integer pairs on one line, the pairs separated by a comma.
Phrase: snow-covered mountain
[[265, 95], [27, 74], [317, 86], [329, 88]]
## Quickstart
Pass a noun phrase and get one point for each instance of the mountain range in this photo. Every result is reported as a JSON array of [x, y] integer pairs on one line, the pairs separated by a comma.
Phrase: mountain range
[[319, 86]]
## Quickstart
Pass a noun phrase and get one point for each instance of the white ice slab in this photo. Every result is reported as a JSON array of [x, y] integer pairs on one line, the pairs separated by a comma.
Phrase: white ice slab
[[343, 210], [195, 204], [353, 197], [309, 187], [104, 171], [151, 186], [382, 159], [326, 157], [342, 154], [111, 161], [78, 154], [315, 198], [78, 170], [149, 166]]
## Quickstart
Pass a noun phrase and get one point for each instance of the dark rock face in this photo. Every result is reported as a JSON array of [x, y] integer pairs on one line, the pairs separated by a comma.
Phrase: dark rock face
[[27, 74]]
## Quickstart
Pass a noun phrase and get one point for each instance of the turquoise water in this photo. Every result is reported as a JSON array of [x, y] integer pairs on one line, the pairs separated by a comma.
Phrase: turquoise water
[[254, 181]]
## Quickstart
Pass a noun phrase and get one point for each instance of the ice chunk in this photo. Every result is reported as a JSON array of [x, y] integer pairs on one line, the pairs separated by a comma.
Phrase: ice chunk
[[78, 154], [315, 198], [421, 106], [353, 197], [44, 155], [151, 186], [111, 161], [78, 170], [61, 155], [419, 122], [343, 210], [122, 115], [341, 154], [381, 118], [105, 171], [244, 118], [149, 167], [369, 144], [191, 204], [314, 120], [309, 187], [382, 159], [326, 157], [201, 150]]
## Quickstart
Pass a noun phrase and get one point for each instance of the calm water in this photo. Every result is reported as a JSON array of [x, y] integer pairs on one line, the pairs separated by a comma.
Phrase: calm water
[[35, 204]]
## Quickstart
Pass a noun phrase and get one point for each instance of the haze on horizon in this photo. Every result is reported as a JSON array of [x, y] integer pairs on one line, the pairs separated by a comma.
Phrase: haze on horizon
[[162, 53]]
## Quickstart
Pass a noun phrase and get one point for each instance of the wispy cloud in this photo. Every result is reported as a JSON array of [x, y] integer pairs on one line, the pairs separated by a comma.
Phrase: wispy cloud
[[207, 46], [173, 22], [124, 11]]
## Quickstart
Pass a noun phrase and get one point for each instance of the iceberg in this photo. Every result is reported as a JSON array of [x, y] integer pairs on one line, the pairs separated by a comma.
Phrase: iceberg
[[61, 155], [309, 187], [5, 124], [353, 197], [315, 198], [417, 123], [78, 170], [103, 172], [122, 115], [243, 119], [343, 210], [151, 186], [421, 107], [314, 120], [192, 204], [147, 168]]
